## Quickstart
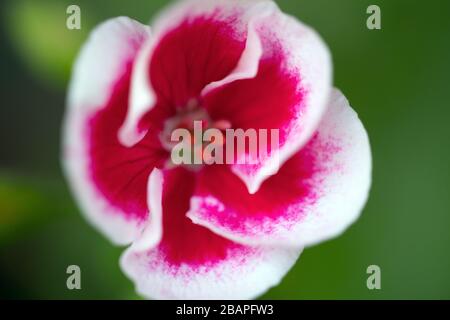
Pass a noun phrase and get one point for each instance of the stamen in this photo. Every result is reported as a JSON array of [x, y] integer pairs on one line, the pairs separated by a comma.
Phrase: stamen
[[186, 119]]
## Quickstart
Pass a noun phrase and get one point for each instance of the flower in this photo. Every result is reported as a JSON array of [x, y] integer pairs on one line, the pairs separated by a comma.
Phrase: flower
[[220, 230]]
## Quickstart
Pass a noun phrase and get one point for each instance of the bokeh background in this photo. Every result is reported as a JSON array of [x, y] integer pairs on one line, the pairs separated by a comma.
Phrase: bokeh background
[[397, 79]]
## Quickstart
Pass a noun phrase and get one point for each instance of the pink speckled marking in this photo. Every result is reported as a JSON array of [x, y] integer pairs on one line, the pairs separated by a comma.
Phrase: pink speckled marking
[[283, 198]]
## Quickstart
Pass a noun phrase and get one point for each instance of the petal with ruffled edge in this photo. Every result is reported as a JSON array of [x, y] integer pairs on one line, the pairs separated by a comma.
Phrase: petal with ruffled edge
[[194, 43], [245, 62], [316, 195], [109, 180], [288, 92], [191, 262]]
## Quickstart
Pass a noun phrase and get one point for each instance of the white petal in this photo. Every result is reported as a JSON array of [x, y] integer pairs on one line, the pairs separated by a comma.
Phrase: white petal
[[244, 275], [102, 59], [247, 67], [345, 191], [309, 57], [142, 97], [152, 233], [100, 64]]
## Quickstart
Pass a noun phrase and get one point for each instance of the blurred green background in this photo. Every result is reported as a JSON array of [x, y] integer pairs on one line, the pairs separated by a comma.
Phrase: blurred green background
[[397, 79]]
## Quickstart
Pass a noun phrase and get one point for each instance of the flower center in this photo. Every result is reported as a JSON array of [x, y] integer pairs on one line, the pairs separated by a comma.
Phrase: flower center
[[184, 135]]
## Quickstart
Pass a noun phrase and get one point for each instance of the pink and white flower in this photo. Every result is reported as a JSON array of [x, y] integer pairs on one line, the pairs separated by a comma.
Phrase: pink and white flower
[[213, 231]]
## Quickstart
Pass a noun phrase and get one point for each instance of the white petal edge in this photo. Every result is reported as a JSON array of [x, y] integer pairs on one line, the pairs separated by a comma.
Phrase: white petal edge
[[101, 60], [142, 96], [310, 58], [248, 63], [152, 233], [337, 210], [345, 191], [233, 279], [100, 63]]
